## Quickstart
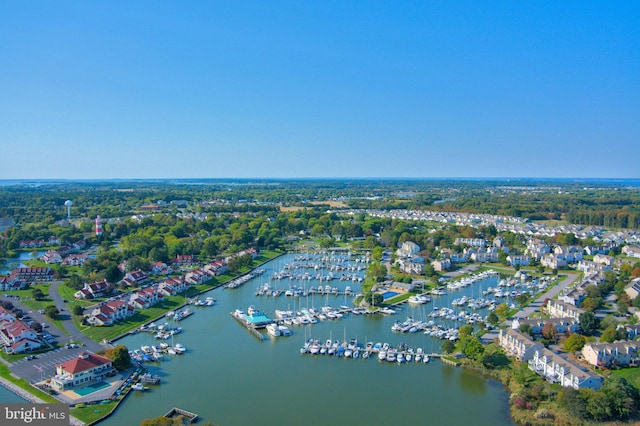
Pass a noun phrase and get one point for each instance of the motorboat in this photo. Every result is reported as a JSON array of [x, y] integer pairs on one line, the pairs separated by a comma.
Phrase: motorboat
[[273, 329]]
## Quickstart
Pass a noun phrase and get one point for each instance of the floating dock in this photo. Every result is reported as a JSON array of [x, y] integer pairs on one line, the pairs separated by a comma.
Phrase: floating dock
[[248, 325], [174, 412]]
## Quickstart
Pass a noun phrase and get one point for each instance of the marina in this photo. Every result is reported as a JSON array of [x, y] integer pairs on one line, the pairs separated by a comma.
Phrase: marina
[[216, 342]]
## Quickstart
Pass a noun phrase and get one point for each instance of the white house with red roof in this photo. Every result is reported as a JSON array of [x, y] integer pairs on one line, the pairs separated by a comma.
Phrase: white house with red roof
[[172, 286], [110, 312], [216, 267], [135, 278], [86, 368], [197, 276], [145, 298], [75, 259], [161, 268], [50, 257], [93, 290], [18, 337]]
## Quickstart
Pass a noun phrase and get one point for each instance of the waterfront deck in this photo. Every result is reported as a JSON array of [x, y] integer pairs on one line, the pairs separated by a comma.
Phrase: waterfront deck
[[174, 412], [249, 326]]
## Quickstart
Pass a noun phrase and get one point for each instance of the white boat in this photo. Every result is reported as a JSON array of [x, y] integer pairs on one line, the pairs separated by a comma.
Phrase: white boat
[[139, 387], [274, 330], [179, 348], [284, 330]]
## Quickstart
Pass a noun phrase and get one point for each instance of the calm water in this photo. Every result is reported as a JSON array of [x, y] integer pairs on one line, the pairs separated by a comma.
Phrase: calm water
[[229, 377], [6, 396], [10, 264]]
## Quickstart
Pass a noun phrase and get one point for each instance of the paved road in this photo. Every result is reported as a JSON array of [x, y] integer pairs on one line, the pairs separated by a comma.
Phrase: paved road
[[549, 294]]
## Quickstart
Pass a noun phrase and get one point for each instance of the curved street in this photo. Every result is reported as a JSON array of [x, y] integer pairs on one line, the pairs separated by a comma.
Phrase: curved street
[[43, 366]]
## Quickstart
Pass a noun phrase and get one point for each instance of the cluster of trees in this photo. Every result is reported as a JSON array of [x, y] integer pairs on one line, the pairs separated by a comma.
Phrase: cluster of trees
[[616, 400]]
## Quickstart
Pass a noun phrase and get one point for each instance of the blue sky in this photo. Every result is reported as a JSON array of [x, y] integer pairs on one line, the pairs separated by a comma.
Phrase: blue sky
[[158, 89]]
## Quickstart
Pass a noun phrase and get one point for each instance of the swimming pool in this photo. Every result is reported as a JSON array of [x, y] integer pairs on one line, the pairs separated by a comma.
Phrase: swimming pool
[[389, 294]]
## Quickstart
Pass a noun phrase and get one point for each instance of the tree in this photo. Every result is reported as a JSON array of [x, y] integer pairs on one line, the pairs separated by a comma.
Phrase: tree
[[588, 323], [522, 299], [549, 331], [465, 331], [502, 310], [526, 329], [37, 294], [573, 402], [448, 346], [374, 299], [51, 311], [493, 319], [474, 348], [119, 356], [495, 360], [574, 342], [609, 335], [77, 310]]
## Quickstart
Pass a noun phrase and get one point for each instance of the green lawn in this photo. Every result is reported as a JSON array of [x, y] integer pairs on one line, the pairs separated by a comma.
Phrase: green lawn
[[140, 317], [91, 413], [23, 384], [632, 374]]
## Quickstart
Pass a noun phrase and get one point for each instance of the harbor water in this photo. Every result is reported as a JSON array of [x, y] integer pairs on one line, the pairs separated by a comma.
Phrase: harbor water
[[229, 377]]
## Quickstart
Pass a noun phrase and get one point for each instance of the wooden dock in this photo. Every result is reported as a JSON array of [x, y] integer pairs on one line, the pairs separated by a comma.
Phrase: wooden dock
[[249, 327], [174, 412]]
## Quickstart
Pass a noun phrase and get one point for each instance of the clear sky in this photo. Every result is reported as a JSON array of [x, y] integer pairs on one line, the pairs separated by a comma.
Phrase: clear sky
[[212, 89]]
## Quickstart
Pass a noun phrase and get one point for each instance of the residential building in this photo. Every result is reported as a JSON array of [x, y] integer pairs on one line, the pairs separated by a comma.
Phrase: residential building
[[135, 278], [517, 344], [633, 288], [516, 260], [473, 242], [110, 312], [631, 251], [622, 353], [553, 261], [32, 274], [17, 337], [408, 249], [51, 257], [563, 371], [93, 290], [560, 309], [441, 265], [562, 325]]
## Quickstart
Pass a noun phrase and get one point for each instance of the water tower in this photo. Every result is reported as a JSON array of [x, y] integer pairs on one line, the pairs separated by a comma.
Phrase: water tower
[[68, 204]]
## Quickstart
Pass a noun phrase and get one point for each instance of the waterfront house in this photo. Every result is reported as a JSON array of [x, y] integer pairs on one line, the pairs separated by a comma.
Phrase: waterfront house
[[517, 345], [145, 298], [622, 353], [32, 274], [560, 309], [172, 286], [563, 371], [197, 276], [216, 267], [110, 312], [86, 368], [50, 257]]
